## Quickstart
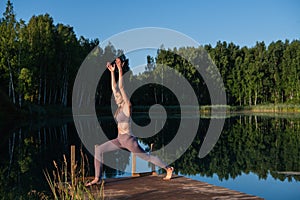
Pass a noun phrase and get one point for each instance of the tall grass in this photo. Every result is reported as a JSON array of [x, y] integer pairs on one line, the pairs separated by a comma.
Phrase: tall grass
[[65, 185]]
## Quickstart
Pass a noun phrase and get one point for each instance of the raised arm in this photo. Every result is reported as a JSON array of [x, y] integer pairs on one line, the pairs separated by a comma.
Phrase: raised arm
[[111, 68], [121, 85]]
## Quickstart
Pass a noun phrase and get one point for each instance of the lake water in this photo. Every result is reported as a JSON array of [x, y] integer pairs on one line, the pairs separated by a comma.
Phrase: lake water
[[258, 155]]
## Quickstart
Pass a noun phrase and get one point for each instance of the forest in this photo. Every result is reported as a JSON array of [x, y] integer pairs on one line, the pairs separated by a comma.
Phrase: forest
[[40, 60]]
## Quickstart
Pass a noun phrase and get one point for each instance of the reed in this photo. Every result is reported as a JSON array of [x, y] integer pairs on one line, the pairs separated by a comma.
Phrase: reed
[[64, 185]]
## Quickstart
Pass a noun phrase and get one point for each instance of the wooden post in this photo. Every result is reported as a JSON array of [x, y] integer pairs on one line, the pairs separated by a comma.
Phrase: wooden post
[[72, 163], [133, 165], [152, 165]]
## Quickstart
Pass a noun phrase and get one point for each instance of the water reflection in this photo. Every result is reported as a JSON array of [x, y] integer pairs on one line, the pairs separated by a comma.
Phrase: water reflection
[[258, 145], [26, 149]]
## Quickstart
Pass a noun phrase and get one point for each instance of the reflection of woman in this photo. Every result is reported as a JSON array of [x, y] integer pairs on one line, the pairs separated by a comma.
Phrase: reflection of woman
[[125, 138]]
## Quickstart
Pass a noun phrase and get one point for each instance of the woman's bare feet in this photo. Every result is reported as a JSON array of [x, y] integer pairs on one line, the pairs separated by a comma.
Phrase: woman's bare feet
[[169, 173], [96, 181]]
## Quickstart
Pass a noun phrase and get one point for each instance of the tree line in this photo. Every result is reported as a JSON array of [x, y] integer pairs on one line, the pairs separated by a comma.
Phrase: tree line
[[39, 62], [251, 75], [260, 74]]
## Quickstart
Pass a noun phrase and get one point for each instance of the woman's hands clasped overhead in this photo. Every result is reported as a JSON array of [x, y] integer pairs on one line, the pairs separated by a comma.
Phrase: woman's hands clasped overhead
[[111, 67]]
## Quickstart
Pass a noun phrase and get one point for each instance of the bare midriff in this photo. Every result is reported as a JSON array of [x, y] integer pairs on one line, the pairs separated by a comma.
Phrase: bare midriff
[[124, 128]]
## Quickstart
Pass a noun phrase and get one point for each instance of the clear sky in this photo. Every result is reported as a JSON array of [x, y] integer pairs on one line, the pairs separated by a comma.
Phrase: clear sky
[[242, 22]]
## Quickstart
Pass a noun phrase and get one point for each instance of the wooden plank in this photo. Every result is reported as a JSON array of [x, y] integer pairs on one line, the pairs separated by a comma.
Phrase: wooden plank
[[153, 187]]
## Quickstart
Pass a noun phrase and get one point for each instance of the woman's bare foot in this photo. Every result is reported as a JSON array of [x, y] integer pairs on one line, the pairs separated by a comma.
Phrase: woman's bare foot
[[169, 173], [96, 181]]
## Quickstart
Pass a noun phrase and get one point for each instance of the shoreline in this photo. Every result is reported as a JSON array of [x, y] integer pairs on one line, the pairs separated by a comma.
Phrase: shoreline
[[52, 111], [259, 109]]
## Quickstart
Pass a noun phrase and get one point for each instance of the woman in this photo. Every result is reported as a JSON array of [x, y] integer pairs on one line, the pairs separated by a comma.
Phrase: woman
[[125, 138]]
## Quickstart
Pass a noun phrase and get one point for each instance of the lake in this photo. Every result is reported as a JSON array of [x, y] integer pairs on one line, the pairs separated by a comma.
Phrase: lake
[[255, 154]]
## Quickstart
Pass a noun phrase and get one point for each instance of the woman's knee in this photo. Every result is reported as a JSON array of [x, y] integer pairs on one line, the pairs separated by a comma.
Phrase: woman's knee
[[97, 148], [99, 151]]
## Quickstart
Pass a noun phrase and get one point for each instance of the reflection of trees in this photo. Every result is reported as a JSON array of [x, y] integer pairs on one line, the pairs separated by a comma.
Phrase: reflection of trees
[[31, 149], [19, 172], [260, 145]]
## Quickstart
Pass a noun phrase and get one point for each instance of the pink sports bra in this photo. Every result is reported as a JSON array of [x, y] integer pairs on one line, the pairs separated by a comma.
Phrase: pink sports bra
[[122, 118]]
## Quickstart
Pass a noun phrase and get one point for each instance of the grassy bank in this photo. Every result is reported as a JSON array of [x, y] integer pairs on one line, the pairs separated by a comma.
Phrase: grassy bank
[[272, 108], [269, 108]]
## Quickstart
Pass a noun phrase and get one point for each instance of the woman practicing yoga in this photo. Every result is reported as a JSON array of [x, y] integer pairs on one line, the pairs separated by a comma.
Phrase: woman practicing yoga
[[125, 137]]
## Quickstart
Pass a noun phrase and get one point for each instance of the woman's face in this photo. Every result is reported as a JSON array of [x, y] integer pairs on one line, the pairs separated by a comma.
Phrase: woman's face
[[118, 98]]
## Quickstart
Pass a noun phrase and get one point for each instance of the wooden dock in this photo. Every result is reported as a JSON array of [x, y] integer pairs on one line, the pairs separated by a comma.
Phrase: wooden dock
[[150, 186], [153, 187]]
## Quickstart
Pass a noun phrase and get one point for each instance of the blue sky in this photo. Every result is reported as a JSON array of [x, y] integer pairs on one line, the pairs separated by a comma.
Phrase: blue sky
[[243, 22]]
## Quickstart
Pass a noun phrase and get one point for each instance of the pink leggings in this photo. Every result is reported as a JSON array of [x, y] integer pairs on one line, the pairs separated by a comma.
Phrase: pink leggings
[[128, 142]]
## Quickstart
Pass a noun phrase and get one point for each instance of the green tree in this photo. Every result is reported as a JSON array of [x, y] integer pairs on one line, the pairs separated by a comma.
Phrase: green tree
[[237, 89], [42, 52], [25, 84], [67, 47], [8, 49], [291, 72], [259, 67], [275, 55]]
